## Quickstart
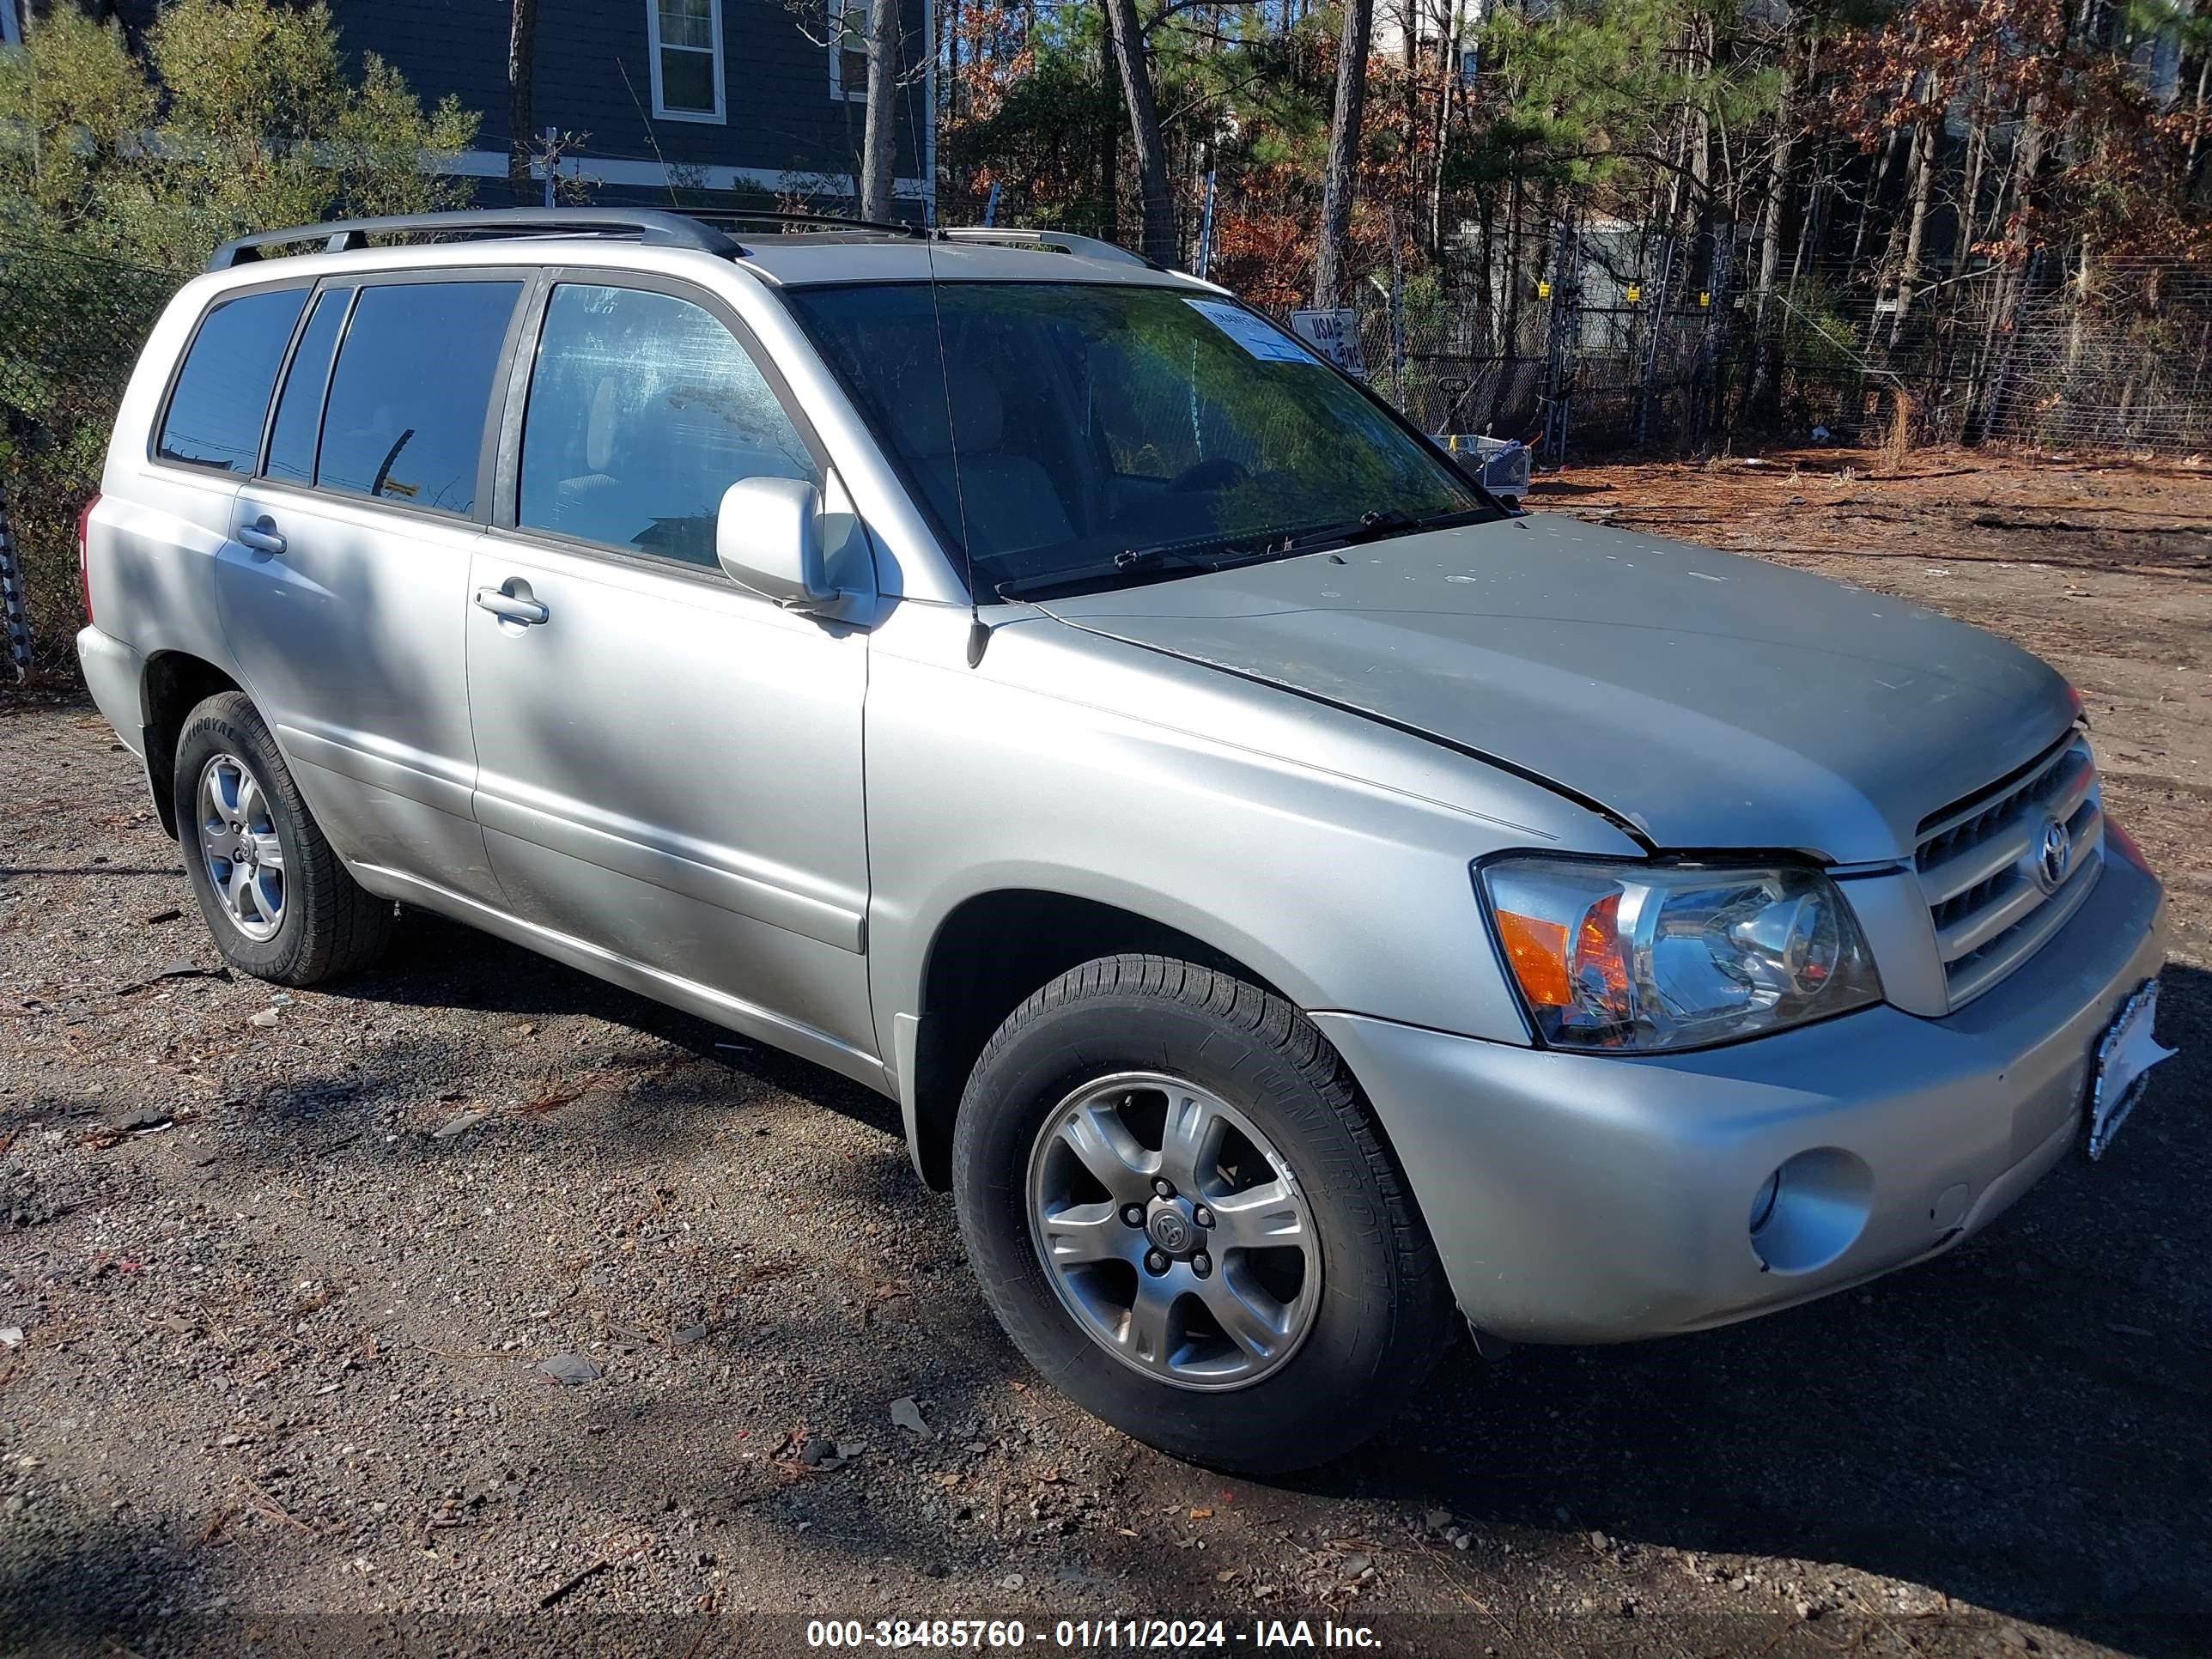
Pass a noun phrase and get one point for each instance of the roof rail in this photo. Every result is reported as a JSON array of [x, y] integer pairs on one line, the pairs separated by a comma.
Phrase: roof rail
[[1060, 242], [654, 228], [804, 221]]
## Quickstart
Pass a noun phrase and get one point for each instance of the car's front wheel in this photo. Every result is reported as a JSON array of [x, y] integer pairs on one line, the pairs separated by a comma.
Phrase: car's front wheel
[[279, 903], [1181, 1211]]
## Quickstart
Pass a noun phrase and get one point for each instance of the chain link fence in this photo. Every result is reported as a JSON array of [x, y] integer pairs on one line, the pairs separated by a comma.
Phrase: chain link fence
[[1588, 335], [1588, 357], [70, 328], [1592, 337]]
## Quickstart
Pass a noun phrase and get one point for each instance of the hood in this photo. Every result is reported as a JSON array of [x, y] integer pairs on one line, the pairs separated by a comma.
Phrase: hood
[[1708, 701]]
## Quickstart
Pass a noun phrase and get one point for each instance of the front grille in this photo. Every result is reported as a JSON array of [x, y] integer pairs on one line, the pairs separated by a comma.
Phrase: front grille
[[1979, 858]]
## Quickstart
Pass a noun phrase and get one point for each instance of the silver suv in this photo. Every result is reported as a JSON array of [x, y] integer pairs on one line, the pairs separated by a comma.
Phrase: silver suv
[[1289, 894]]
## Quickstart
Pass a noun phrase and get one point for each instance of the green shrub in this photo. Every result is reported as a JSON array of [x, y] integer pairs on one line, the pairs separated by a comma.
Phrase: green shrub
[[119, 175]]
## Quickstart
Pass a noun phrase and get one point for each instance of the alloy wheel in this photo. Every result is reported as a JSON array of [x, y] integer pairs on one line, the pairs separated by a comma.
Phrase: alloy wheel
[[1173, 1231], [239, 845]]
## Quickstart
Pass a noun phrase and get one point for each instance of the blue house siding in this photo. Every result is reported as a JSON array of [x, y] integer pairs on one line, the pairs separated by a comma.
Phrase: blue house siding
[[780, 116], [459, 49]]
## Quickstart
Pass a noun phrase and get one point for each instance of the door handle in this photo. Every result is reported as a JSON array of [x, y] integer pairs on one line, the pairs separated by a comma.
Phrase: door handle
[[509, 607], [262, 535]]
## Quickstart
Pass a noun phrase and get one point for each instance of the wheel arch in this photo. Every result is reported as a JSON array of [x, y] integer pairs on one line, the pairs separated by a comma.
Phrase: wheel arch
[[175, 683], [990, 953]]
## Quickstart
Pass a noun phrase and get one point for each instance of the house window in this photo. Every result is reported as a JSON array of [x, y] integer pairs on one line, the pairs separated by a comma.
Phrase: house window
[[848, 49], [687, 58]]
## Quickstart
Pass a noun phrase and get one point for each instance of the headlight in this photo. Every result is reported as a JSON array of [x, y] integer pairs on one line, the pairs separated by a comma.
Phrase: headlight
[[1638, 957]]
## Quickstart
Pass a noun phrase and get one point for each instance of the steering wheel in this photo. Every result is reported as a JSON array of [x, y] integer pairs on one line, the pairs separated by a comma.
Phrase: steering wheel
[[1218, 473]]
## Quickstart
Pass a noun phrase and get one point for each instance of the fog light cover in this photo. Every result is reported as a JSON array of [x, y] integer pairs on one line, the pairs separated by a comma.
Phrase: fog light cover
[[1762, 1203], [1631, 957]]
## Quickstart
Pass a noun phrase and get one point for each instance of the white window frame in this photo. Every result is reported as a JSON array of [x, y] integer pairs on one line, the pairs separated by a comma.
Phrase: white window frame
[[11, 26], [837, 9], [660, 110]]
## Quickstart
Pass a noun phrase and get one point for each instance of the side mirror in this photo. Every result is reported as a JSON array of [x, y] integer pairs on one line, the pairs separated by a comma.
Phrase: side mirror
[[768, 535]]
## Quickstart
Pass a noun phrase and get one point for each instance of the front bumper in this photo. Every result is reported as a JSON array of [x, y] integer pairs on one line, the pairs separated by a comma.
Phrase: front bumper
[[1588, 1198]]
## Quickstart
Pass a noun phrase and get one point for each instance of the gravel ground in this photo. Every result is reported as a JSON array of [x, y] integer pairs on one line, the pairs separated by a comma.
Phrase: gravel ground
[[279, 1279]]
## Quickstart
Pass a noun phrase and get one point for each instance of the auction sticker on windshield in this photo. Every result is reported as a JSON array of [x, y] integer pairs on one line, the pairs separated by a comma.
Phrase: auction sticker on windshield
[[1269, 345], [1334, 337]]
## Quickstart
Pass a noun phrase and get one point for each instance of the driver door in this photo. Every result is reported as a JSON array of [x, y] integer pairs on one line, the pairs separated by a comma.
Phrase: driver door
[[669, 767]]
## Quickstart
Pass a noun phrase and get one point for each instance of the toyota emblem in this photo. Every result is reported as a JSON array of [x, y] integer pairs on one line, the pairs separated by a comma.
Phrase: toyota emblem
[[2055, 856]]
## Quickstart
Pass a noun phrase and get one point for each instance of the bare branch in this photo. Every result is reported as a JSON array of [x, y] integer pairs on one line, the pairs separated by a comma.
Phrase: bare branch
[[1176, 7]]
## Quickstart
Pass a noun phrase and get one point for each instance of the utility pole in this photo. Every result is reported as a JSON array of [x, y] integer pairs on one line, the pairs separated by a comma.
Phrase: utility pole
[[1204, 229]]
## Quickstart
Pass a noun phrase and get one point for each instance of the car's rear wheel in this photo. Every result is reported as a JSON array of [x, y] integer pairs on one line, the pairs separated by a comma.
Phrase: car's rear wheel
[[278, 902], [1183, 1214]]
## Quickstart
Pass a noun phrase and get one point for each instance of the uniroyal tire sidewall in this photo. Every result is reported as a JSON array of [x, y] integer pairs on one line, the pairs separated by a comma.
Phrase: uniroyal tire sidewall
[[1287, 1418], [228, 725]]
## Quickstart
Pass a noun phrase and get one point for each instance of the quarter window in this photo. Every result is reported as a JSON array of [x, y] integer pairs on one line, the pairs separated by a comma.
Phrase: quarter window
[[687, 58], [405, 420], [643, 409], [221, 394]]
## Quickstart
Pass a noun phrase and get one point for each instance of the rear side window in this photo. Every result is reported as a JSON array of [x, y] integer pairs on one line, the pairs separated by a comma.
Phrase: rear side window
[[221, 394], [643, 409], [299, 409], [405, 417]]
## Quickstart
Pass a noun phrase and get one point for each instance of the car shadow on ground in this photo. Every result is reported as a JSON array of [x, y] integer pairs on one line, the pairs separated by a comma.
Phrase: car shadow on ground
[[2023, 1423], [437, 964]]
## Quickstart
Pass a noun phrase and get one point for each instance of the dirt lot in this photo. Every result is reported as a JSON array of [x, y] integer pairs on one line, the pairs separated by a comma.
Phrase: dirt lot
[[278, 1276]]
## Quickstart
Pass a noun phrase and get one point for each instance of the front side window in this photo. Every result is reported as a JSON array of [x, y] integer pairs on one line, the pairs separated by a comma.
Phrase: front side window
[[405, 417], [643, 409], [1067, 429], [221, 394], [687, 58]]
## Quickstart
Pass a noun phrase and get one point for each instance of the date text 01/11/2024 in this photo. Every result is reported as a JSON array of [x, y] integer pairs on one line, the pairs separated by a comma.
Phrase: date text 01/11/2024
[[1142, 1635]]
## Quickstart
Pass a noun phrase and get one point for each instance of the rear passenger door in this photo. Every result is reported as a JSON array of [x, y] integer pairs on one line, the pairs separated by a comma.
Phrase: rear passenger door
[[670, 767], [172, 523], [343, 589]]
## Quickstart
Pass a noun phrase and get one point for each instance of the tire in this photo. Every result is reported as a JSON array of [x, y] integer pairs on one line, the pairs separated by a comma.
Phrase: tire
[[323, 926], [1381, 1312]]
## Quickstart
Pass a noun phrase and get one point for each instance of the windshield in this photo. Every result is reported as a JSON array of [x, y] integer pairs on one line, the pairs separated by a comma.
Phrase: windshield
[[1106, 430]]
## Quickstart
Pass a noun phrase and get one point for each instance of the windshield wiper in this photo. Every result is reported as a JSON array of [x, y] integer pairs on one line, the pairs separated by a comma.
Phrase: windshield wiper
[[1380, 525], [1129, 562], [1212, 553]]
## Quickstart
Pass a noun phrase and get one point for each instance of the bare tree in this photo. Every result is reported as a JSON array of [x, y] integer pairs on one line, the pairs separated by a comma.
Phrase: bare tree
[[1341, 181], [883, 109], [521, 72], [835, 24], [1159, 241]]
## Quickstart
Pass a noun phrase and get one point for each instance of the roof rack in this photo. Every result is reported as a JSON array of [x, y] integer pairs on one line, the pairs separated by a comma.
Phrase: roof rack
[[1060, 242], [805, 221], [654, 228]]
